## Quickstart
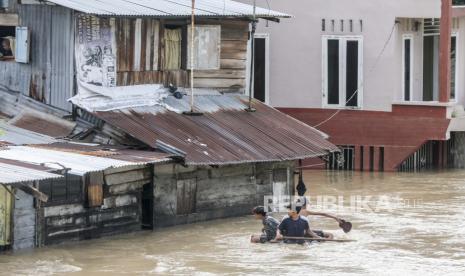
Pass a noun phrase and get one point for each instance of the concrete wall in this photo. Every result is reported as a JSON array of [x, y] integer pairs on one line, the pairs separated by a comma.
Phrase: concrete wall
[[221, 192], [296, 48]]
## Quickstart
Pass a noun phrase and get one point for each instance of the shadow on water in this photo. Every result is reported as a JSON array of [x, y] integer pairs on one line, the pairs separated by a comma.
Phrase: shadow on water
[[421, 234]]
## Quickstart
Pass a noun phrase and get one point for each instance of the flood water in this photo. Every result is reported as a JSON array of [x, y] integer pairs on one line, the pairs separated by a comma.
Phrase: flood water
[[422, 234]]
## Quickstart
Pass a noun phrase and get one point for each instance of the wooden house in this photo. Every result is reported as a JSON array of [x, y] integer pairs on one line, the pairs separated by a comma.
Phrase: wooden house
[[105, 66]]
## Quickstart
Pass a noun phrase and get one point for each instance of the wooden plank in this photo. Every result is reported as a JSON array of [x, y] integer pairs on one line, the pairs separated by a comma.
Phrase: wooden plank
[[5, 216], [156, 45], [95, 189], [233, 64], [186, 196], [131, 44], [218, 83], [137, 46], [131, 176], [234, 33], [237, 45], [233, 54], [9, 19], [148, 50], [220, 74]]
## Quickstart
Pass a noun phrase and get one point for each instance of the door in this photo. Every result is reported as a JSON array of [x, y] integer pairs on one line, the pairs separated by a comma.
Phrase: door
[[186, 196], [431, 68], [147, 206], [5, 216], [261, 68]]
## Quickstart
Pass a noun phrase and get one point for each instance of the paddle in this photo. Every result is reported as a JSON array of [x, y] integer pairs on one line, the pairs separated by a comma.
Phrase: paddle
[[345, 225], [318, 239]]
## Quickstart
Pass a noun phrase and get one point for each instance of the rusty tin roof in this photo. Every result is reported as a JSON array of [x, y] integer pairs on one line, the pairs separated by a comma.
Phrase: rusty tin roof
[[224, 134]]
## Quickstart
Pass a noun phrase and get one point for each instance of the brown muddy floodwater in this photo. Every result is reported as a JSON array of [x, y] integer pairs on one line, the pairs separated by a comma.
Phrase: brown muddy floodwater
[[422, 234]]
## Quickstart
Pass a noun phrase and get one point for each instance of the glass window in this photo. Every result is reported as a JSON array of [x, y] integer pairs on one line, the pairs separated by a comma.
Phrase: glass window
[[342, 57]]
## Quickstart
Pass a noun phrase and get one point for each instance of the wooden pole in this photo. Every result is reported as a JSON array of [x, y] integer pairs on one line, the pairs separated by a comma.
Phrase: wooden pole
[[445, 51], [192, 53]]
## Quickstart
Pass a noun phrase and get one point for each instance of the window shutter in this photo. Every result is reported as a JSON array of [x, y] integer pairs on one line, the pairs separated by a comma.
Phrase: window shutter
[[207, 47], [22, 45]]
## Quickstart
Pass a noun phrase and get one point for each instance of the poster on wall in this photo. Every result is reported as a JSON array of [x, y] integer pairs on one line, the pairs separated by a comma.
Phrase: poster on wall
[[95, 54]]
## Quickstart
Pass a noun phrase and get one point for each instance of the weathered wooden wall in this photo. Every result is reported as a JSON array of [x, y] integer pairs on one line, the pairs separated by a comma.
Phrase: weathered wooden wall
[[220, 192], [120, 212], [141, 65], [24, 221], [48, 77], [6, 203]]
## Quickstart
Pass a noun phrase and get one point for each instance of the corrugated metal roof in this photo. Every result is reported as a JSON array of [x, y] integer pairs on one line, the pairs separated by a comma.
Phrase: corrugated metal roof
[[18, 136], [225, 134], [111, 152], [12, 174], [42, 123], [167, 8], [78, 163]]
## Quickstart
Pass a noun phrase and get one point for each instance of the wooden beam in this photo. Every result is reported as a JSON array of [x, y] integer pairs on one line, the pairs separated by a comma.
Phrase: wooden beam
[[9, 19], [444, 51], [34, 192]]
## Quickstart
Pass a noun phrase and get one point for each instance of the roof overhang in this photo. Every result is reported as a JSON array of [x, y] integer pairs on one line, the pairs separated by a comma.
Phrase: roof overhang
[[173, 9]]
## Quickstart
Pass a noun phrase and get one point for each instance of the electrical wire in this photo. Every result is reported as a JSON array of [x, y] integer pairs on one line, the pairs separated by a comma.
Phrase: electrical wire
[[363, 82]]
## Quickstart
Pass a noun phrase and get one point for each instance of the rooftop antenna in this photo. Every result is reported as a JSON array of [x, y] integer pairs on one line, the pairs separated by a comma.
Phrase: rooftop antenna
[[252, 58], [192, 111]]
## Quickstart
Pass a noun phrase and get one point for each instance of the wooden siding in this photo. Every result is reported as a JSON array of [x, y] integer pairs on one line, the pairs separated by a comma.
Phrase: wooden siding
[[139, 65], [196, 193], [5, 215], [120, 212]]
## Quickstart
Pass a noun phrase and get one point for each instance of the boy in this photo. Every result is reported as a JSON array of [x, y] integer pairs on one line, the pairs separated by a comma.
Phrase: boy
[[294, 226], [270, 226]]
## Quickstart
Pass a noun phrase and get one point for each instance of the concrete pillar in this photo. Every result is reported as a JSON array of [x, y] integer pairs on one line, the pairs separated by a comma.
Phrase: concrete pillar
[[376, 159], [358, 158], [444, 51], [366, 158]]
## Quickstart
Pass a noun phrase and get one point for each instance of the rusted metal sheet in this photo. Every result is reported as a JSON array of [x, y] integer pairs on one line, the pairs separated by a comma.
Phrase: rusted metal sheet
[[10, 134], [111, 152], [78, 163], [17, 174], [43, 123], [224, 134], [167, 9]]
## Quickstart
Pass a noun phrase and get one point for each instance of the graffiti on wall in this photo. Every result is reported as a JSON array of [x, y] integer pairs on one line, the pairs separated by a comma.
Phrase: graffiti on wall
[[95, 54]]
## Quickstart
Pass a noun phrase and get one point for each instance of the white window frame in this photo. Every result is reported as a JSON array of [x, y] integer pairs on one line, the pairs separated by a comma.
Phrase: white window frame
[[267, 65], [457, 58], [342, 70], [404, 38]]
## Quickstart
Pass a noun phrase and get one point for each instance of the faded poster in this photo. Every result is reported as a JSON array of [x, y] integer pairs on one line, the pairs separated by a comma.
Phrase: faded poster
[[95, 56]]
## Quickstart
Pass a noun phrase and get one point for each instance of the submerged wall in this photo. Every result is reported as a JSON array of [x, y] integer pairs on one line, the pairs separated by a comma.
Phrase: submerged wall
[[119, 213], [199, 193]]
